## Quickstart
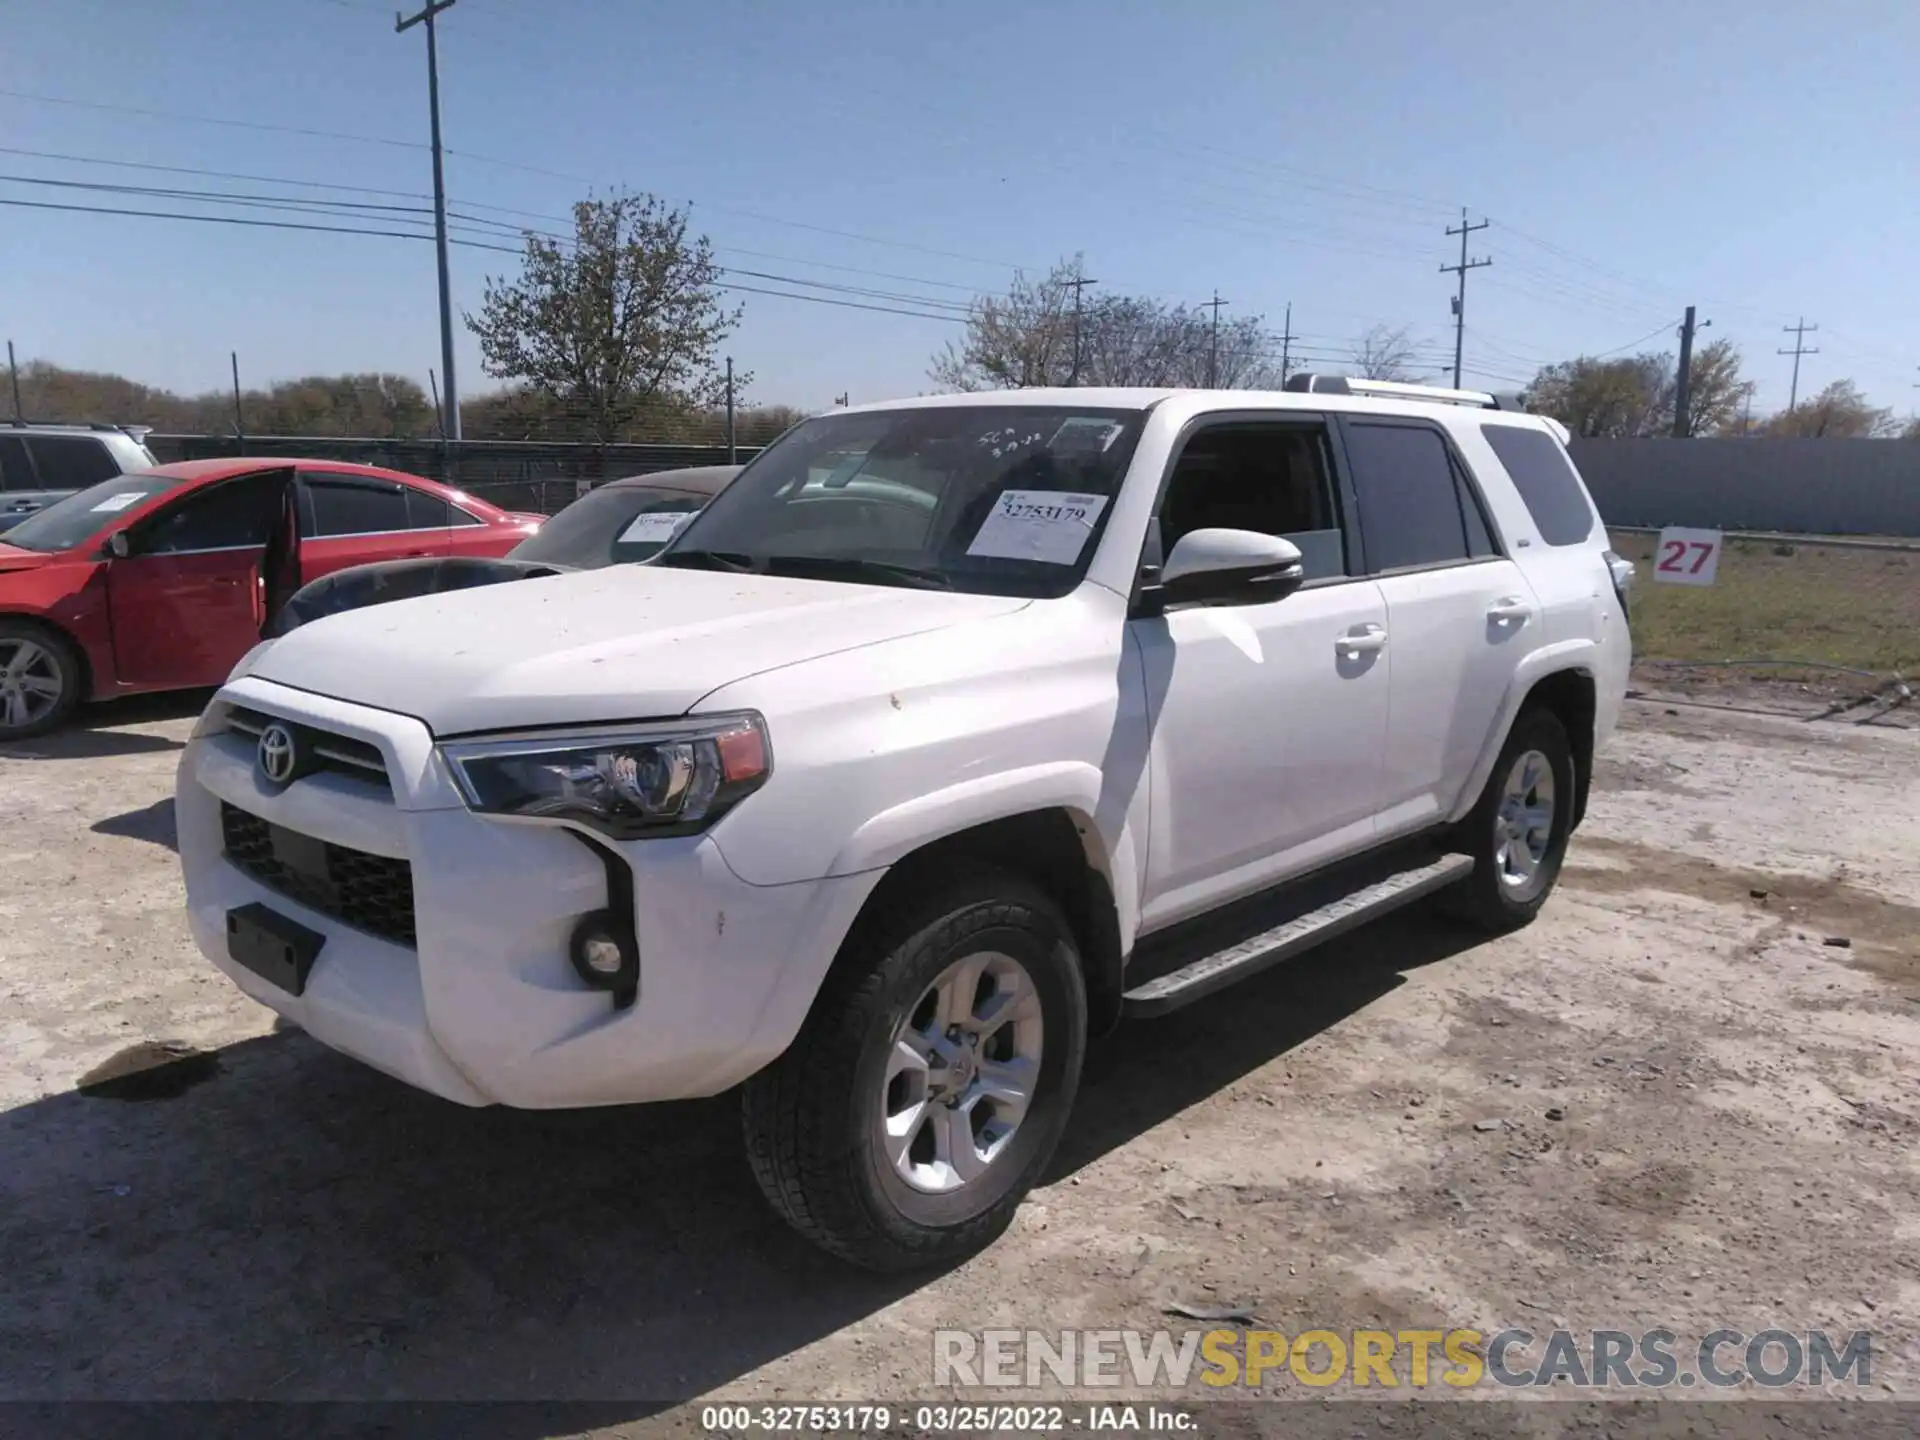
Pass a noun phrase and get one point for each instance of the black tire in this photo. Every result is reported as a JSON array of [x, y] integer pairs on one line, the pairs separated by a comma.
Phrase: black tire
[[57, 656], [1485, 899], [812, 1118]]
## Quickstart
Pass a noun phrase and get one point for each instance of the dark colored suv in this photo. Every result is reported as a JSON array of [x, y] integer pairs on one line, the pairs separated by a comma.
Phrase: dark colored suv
[[40, 464]]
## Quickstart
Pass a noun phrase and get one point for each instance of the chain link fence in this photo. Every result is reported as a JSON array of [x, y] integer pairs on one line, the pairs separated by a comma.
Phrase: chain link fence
[[1813, 627]]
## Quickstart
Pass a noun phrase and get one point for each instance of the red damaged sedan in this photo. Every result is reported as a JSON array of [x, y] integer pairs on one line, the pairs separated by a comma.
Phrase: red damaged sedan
[[162, 579]]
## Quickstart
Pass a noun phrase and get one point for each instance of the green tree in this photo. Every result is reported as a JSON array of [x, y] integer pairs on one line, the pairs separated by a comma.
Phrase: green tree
[[624, 319], [1839, 412], [1610, 399]]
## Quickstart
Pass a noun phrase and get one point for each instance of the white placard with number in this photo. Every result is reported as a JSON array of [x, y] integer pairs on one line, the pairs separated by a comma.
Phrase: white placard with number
[[119, 502], [1050, 526], [656, 527], [1686, 557]]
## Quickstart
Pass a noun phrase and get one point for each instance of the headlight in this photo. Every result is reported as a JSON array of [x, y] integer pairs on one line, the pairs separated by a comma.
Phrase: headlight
[[673, 778]]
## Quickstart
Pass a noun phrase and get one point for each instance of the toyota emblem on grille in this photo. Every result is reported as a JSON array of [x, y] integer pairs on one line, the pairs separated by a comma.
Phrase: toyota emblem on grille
[[279, 755]]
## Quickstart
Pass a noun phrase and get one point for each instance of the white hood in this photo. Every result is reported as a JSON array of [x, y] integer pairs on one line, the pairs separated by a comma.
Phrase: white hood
[[626, 642]]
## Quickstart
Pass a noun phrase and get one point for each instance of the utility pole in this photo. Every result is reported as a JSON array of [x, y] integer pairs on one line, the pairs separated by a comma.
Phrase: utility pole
[[1799, 333], [1683, 380], [1460, 299], [450, 425], [1213, 344], [731, 460], [239, 419], [1077, 284], [1287, 338], [13, 370]]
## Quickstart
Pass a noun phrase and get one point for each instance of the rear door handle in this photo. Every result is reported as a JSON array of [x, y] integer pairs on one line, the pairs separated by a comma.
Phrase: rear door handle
[[1362, 640], [1510, 607]]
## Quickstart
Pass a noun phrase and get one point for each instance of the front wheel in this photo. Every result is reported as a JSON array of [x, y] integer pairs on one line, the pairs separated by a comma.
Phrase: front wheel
[[1518, 830], [929, 1087], [39, 680]]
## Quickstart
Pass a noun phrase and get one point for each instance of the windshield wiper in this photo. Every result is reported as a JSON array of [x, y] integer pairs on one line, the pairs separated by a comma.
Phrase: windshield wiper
[[730, 560], [828, 566]]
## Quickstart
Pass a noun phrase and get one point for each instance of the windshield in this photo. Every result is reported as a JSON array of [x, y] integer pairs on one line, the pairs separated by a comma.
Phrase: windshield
[[1003, 500], [69, 522], [613, 526]]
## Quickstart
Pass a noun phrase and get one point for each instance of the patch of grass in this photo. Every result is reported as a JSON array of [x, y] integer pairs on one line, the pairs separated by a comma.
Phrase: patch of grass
[[1816, 602]]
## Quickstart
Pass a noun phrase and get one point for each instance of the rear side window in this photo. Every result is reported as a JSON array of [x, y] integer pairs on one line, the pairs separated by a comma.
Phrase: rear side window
[[71, 462], [1410, 497], [1546, 480], [355, 507]]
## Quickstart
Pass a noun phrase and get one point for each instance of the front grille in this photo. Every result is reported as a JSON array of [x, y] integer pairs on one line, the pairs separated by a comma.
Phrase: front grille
[[373, 893], [341, 753]]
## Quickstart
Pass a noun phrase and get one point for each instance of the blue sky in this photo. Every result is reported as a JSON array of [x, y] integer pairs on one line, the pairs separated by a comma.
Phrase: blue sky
[[1755, 157]]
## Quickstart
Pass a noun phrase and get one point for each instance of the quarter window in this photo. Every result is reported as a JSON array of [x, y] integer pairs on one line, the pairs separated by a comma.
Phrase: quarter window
[[1544, 475]]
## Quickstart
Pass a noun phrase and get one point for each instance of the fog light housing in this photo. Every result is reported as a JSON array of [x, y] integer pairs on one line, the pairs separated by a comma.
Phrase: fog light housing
[[606, 956]]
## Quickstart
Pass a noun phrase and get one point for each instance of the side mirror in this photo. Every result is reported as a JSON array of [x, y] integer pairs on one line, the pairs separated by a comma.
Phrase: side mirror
[[1238, 567], [118, 545]]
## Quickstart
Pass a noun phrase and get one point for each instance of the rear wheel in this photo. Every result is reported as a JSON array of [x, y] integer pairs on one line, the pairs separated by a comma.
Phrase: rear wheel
[[1518, 830], [929, 1087], [39, 680]]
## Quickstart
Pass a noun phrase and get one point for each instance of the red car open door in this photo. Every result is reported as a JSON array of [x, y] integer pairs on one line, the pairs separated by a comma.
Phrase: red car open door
[[186, 599]]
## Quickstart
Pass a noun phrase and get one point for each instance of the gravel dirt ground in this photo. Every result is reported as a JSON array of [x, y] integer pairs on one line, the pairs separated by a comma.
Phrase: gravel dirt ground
[[1668, 1103]]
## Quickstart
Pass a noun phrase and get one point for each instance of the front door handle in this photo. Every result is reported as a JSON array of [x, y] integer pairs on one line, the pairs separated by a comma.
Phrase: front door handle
[[1362, 640], [1510, 607]]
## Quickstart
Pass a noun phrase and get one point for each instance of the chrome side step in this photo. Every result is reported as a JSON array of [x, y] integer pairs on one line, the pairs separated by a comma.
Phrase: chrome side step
[[1250, 956]]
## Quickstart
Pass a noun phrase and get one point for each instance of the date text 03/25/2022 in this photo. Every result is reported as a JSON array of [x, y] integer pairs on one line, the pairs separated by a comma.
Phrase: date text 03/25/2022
[[961, 1419]]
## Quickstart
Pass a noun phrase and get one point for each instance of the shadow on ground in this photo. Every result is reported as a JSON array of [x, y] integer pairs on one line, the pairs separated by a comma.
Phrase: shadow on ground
[[152, 823], [96, 731], [294, 1225]]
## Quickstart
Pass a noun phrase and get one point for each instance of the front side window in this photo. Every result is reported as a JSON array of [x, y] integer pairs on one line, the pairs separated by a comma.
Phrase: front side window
[[71, 462], [1409, 496], [232, 515], [1003, 499], [1272, 478]]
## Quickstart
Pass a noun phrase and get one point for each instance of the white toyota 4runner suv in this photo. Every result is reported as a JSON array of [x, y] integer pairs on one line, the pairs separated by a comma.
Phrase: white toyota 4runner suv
[[951, 732]]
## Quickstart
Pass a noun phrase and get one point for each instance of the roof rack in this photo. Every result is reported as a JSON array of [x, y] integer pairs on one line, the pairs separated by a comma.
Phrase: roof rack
[[1344, 385]]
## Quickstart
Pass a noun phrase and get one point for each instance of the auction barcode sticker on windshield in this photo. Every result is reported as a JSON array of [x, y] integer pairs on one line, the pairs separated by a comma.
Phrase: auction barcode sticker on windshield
[[119, 502], [1050, 526], [656, 527]]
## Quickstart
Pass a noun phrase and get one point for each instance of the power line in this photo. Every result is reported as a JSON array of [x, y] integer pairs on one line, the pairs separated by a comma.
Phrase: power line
[[211, 120], [227, 220], [1659, 329], [1799, 333]]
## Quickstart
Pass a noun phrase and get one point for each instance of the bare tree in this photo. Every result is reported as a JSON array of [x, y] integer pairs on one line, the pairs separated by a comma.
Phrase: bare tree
[[624, 320], [1026, 337], [1017, 340], [1384, 353]]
